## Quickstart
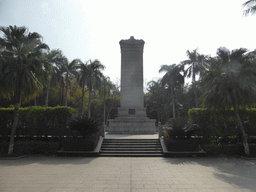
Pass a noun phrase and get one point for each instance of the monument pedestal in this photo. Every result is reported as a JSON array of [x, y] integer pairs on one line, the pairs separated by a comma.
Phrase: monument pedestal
[[132, 121]]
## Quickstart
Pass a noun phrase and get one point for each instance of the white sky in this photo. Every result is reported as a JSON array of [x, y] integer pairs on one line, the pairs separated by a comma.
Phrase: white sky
[[92, 29]]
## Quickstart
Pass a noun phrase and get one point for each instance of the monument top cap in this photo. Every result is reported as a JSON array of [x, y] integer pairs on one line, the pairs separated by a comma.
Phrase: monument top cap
[[132, 40]]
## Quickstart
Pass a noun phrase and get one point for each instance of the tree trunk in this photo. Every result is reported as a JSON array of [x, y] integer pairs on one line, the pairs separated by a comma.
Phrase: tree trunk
[[35, 104], [241, 127], [14, 127], [66, 98], [104, 111], [196, 101], [89, 103], [82, 105], [194, 83], [173, 105], [47, 96]]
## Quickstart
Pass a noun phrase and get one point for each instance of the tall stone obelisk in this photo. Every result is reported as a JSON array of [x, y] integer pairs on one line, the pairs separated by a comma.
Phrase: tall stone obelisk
[[132, 114]]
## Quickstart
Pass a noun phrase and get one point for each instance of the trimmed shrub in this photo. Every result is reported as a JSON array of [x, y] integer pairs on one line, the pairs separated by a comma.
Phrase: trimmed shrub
[[84, 125], [85, 134], [182, 145], [80, 144], [36, 120], [222, 122], [31, 147]]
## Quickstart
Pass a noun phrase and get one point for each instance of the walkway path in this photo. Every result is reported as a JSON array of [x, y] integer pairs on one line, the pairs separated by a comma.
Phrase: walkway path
[[78, 174]]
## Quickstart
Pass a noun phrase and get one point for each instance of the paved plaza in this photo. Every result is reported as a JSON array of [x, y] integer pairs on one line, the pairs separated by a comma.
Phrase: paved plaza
[[40, 173]]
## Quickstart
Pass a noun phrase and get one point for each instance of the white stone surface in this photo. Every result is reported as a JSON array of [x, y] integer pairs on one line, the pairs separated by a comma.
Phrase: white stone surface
[[132, 96]]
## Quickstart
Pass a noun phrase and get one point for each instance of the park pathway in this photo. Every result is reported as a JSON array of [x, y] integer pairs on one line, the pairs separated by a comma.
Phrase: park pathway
[[42, 173]]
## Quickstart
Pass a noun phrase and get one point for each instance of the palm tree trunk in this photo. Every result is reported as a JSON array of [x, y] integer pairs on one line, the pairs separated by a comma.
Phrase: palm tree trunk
[[47, 96], [196, 101], [194, 83], [82, 105], [14, 127], [35, 104], [241, 127], [66, 98], [89, 104], [104, 111], [173, 105]]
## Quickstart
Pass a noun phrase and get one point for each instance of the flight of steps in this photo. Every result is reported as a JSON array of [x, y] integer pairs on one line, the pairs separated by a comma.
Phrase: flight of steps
[[131, 148]]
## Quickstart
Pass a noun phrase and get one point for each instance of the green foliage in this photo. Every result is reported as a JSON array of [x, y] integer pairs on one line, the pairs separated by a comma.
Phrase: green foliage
[[178, 123], [182, 145], [84, 125], [223, 122], [80, 144], [37, 118], [31, 147]]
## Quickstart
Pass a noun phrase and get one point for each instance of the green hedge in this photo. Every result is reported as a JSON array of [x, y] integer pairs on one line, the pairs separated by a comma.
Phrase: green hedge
[[81, 144], [31, 147], [222, 122], [37, 119], [231, 149]]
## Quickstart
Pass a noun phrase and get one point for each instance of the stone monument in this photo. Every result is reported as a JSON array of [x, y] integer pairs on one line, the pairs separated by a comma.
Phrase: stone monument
[[132, 114]]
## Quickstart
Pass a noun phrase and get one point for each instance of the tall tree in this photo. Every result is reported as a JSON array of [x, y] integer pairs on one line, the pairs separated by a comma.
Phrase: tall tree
[[22, 68], [93, 78], [105, 89], [250, 7], [230, 82], [173, 79], [196, 67], [54, 74], [70, 70], [83, 73]]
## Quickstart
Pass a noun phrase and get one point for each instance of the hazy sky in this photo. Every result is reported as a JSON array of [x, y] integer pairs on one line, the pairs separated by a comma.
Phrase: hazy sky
[[92, 29]]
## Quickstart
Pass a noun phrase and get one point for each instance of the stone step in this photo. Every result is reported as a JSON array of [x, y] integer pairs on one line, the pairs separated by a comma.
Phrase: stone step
[[130, 155], [131, 149], [129, 145], [131, 141], [134, 152]]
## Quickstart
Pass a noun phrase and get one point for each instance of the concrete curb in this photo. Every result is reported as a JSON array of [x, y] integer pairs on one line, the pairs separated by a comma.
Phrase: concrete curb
[[85, 153], [13, 158]]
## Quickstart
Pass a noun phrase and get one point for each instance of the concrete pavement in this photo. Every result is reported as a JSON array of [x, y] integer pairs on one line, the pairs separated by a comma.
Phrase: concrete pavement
[[40, 173]]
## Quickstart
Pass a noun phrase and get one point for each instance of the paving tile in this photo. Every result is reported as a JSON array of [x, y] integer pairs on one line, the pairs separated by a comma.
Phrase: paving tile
[[89, 190], [31, 189], [172, 190], [56, 189], [117, 190], [35, 173], [10, 189], [103, 186]]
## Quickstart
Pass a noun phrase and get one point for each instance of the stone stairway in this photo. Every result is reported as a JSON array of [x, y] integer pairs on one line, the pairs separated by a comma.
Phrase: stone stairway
[[131, 148]]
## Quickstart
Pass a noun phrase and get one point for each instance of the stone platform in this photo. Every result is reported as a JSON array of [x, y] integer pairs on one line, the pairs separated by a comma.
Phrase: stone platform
[[132, 121], [132, 125]]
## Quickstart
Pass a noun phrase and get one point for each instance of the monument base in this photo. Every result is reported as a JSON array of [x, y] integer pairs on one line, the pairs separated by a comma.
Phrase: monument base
[[132, 121]]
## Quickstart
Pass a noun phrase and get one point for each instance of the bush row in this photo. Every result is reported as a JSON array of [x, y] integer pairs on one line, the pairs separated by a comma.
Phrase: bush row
[[222, 122], [31, 147], [34, 120], [232, 149]]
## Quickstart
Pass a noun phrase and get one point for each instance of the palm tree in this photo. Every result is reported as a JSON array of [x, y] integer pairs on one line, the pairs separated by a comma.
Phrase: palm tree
[[22, 68], [250, 7], [82, 77], [173, 79], [106, 87], [54, 74], [93, 78], [196, 67], [70, 70], [229, 82]]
